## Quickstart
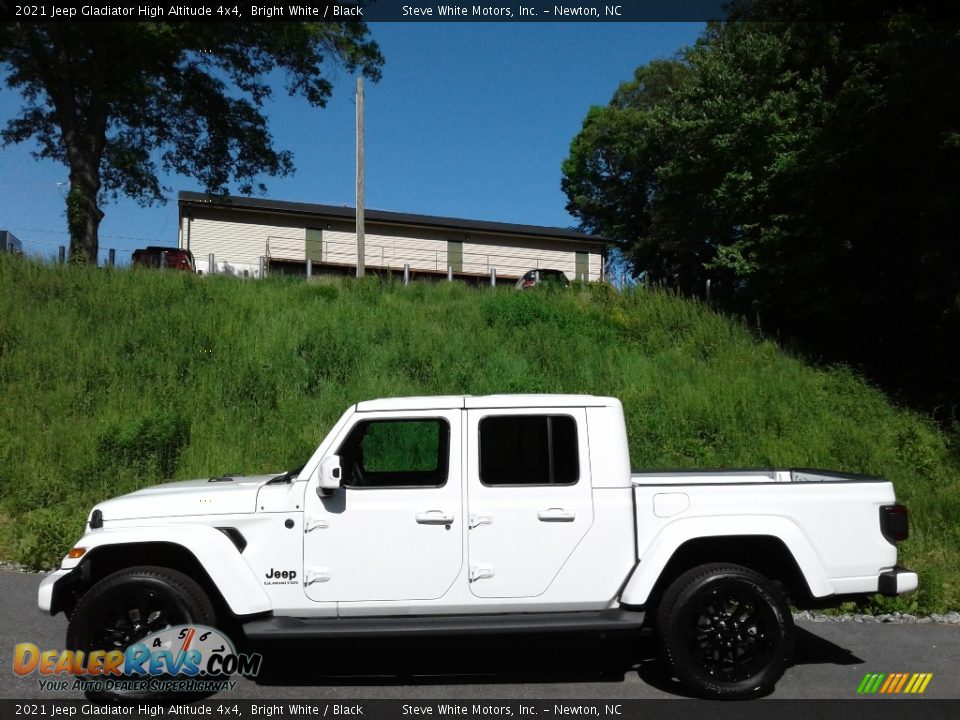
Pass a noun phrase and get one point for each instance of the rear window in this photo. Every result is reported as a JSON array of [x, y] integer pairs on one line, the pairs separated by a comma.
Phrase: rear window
[[529, 450]]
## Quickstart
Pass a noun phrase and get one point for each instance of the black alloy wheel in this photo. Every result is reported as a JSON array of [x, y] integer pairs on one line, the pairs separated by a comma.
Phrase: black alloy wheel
[[128, 605], [725, 631]]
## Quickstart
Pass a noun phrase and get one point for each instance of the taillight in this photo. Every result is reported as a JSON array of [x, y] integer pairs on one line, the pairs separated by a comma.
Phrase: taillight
[[893, 523]]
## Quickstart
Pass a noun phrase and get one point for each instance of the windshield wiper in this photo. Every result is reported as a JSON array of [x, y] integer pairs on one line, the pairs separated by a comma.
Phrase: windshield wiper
[[285, 477]]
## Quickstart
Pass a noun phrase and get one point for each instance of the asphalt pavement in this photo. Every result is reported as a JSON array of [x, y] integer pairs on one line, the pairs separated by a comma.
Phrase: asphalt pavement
[[831, 660]]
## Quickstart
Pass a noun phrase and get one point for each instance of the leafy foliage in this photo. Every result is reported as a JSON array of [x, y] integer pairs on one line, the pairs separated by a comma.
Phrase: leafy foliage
[[807, 170], [120, 102], [100, 394]]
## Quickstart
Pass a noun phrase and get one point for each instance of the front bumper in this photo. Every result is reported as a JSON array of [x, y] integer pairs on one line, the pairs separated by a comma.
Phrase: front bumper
[[897, 581], [48, 595]]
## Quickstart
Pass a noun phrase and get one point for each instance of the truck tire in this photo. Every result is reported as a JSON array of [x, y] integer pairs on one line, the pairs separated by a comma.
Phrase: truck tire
[[725, 631], [130, 604]]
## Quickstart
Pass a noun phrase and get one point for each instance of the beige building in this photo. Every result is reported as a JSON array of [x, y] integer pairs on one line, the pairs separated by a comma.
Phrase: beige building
[[239, 231]]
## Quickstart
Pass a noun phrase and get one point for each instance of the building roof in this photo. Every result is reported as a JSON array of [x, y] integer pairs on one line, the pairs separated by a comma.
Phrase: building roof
[[343, 212]]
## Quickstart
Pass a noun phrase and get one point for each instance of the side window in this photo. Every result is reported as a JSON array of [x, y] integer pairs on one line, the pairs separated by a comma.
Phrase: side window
[[396, 453], [529, 450]]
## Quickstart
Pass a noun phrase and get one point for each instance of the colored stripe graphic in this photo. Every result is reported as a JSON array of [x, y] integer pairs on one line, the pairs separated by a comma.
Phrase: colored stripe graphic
[[870, 683], [918, 683], [903, 679], [894, 683], [891, 681]]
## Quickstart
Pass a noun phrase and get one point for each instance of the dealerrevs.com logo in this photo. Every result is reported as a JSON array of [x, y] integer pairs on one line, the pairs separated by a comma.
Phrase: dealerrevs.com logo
[[187, 658], [894, 683]]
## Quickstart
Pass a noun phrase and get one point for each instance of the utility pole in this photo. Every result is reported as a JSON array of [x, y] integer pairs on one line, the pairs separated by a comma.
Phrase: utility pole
[[361, 248]]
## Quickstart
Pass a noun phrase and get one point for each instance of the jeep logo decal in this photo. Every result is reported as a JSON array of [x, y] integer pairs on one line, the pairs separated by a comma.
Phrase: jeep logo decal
[[281, 577]]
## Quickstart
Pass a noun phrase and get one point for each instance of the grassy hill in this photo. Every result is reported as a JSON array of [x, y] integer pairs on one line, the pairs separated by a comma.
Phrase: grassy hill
[[112, 380]]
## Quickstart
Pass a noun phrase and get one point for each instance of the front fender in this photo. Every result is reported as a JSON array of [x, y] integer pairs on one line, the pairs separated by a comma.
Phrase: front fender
[[215, 553], [669, 540]]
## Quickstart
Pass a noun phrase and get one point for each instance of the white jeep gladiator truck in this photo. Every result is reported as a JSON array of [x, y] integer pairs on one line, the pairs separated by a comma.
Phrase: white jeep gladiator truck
[[504, 513]]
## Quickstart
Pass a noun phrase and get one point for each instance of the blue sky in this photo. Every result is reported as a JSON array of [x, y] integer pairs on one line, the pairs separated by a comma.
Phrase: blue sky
[[470, 120]]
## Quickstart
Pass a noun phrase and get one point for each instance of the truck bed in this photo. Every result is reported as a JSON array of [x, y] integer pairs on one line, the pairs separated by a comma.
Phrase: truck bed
[[745, 476]]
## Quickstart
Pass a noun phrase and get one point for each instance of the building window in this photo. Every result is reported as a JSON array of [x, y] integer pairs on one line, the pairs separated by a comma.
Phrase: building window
[[529, 450]]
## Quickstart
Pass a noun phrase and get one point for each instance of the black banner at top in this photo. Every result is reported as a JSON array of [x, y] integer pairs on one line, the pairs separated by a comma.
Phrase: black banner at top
[[366, 10], [582, 11]]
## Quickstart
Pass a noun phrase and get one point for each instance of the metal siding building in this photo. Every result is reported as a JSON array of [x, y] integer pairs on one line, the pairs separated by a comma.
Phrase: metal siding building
[[9, 243], [239, 231]]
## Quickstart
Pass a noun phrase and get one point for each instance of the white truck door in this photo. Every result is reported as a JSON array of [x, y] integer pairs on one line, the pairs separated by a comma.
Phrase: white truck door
[[529, 497], [394, 530]]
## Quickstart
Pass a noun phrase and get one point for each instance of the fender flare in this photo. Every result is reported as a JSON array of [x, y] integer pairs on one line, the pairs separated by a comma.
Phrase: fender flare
[[671, 537], [212, 549]]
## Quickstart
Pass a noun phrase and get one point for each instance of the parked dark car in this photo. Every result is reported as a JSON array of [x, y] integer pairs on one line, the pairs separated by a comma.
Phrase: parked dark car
[[542, 276], [170, 258]]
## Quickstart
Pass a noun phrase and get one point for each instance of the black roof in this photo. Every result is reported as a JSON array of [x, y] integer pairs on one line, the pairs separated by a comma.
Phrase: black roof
[[343, 212]]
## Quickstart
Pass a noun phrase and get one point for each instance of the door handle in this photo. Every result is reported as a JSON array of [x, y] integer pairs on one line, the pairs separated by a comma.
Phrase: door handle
[[434, 517], [556, 515]]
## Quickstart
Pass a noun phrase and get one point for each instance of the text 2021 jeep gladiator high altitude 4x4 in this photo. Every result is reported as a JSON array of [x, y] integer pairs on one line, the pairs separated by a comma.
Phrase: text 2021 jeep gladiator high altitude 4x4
[[508, 513]]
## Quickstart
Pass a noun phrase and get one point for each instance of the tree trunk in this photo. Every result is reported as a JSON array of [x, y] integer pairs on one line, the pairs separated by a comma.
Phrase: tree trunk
[[83, 218], [82, 117]]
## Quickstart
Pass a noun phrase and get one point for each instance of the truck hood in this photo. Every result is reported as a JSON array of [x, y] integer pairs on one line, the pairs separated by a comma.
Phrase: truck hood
[[189, 497]]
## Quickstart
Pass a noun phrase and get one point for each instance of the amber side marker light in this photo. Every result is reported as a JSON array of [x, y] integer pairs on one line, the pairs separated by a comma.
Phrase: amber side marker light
[[76, 552]]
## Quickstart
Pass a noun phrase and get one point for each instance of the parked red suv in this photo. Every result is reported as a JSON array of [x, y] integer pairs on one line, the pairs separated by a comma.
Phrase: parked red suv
[[543, 276], [170, 258]]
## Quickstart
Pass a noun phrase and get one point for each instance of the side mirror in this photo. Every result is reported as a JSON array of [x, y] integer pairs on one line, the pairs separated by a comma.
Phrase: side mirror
[[330, 475]]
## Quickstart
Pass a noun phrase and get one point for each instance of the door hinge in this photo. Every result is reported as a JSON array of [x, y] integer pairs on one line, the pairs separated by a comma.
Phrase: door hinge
[[318, 575], [479, 572], [477, 520]]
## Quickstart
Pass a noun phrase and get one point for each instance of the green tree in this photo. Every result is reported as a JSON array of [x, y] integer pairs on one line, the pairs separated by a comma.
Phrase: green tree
[[808, 170], [118, 103], [610, 176]]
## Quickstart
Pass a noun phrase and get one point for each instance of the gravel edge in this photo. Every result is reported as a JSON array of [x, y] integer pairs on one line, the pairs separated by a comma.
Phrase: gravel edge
[[949, 618]]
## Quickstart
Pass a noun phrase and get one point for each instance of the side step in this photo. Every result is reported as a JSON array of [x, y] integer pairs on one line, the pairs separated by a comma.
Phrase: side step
[[292, 628]]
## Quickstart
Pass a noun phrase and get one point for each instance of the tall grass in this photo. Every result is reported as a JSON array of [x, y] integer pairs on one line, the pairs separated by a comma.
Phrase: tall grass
[[113, 380]]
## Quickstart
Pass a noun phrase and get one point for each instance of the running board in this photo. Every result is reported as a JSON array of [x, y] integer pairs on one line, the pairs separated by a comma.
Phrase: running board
[[292, 628]]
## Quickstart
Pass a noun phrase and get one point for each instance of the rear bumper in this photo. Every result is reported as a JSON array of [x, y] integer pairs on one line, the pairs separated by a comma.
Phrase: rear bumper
[[897, 581]]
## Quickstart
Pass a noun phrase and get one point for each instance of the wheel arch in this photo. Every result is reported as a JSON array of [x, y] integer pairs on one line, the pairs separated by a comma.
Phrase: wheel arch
[[790, 562], [763, 554], [105, 560], [207, 556]]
